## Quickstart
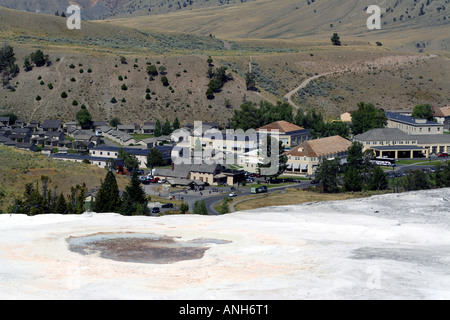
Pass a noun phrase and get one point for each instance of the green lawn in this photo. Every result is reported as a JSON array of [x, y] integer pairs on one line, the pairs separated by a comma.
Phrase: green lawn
[[142, 136], [423, 162]]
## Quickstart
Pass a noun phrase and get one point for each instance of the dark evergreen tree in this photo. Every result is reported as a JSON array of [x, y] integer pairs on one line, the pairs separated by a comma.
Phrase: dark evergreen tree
[[327, 175], [352, 180], [166, 128], [61, 205], [336, 40], [378, 179], [176, 124], [157, 132], [200, 208], [134, 200], [84, 118], [154, 158], [108, 198]]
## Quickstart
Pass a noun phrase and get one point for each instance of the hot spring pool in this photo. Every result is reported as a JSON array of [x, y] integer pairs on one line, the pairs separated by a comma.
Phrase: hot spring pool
[[141, 248]]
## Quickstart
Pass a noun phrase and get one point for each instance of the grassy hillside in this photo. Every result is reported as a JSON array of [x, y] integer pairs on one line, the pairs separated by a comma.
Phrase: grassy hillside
[[366, 72], [99, 9], [20, 167], [404, 23], [95, 50]]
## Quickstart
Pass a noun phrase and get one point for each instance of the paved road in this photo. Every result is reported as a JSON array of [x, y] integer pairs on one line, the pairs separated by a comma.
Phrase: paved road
[[213, 198]]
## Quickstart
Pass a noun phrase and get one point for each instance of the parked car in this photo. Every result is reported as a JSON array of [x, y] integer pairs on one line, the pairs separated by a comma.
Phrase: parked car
[[249, 180], [233, 194], [154, 180], [443, 154], [313, 181], [144, 180], [155, 210], [167, 205]]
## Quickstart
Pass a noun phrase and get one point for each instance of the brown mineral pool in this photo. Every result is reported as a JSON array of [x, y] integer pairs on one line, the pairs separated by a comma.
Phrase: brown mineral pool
[[141, 248]]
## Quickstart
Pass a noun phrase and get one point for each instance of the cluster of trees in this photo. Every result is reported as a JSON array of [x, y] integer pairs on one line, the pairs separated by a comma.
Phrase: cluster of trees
[[38, 58], [34, 201], [367, 117], [218, 78], [252, 115], [167, 128], [360, 174], [419, 180], [8, 67], [84, 118], [12, 117], [133, 201], [200, 208], [423, 111], [356, 175]]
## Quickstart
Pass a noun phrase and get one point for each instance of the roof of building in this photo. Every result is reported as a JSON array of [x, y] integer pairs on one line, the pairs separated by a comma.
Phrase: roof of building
[[445, 111], [410, 120], [183, 170], [126, 127], [384, 134], [82, 157], [320, 147], [135, 151], [51, 124], [432, 138], [282, 127]]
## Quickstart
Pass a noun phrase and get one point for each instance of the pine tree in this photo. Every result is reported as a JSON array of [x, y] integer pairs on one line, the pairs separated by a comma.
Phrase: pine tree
[[166, 129], [176, 124], [335, 39], [352, 180], [378, 179], [327, 175], [200, 208], [133, 197], [157, 132], [61, 204], [184, 207], [108, 199], [154, 158]]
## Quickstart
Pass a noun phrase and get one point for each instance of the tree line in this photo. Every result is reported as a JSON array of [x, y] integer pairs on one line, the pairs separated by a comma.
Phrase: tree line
[[41, 200], [253, 116], [356, 175], [359, 174]]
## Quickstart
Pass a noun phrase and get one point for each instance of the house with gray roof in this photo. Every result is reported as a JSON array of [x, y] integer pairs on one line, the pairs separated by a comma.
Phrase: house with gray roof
[[52, 125], [213, 174], [412, 125], [5, 121], [395, 143]]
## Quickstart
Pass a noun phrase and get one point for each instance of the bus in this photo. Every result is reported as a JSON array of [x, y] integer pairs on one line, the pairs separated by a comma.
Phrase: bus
[[386, 162]]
